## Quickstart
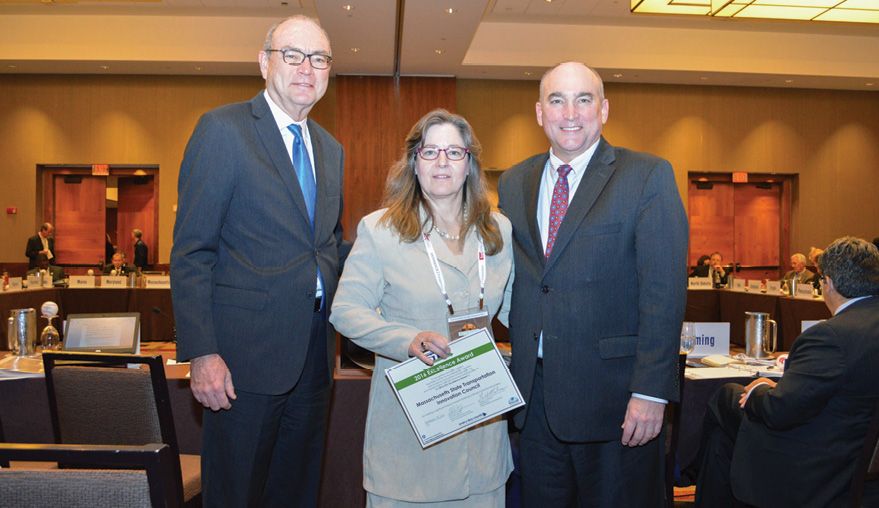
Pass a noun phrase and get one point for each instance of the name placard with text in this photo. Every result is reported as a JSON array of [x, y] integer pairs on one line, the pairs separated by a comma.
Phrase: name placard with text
[[711, 339], [81, 281]]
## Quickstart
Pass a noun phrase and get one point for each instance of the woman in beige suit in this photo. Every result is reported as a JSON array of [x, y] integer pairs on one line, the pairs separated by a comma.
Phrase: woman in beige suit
[[435, 200]]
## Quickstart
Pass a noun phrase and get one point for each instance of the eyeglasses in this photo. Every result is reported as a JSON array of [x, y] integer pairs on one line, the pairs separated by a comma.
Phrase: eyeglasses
[[453, 153], [296, 57]]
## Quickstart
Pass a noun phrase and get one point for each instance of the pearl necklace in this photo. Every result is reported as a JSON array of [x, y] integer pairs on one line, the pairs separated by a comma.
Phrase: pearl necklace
[[447, 236]]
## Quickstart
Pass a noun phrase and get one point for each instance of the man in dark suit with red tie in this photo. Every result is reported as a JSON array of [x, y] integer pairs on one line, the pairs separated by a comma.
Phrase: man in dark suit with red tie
[[600, 244], [257, 253], [795, 443]]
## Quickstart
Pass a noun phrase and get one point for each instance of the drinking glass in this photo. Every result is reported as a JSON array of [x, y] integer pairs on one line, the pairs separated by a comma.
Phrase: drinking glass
[[688, 337]]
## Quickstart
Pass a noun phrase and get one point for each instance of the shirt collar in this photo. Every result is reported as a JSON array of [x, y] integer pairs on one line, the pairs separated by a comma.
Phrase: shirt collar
[[846, 304], [578, 164], [281, 118]]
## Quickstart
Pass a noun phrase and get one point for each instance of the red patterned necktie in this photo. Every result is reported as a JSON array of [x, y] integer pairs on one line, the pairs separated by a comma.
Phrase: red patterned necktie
[[558, 206]]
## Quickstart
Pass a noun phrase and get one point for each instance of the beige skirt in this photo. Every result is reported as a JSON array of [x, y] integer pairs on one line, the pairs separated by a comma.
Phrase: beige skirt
[[493, 499]]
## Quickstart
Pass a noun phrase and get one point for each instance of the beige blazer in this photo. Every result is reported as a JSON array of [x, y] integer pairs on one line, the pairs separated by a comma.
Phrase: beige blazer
[[396, 277]]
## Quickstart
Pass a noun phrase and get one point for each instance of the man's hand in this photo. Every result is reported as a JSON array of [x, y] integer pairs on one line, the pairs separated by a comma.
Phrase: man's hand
[[753, 384], [643, 421], [211, 382]]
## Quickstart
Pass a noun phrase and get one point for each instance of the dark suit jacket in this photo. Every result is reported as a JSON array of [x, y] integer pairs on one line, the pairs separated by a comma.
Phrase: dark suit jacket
[[800, 440], [245, 259], [809, 277], [34, 246], [611, 298], [140, 254], [126, 269]]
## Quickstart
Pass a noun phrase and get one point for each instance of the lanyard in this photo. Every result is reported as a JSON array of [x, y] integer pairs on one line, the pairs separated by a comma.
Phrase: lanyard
[[438, 274]]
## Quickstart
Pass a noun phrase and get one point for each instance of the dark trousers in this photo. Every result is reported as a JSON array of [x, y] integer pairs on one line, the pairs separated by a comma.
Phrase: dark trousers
[[266, 451], [601, 474], [719, 430]]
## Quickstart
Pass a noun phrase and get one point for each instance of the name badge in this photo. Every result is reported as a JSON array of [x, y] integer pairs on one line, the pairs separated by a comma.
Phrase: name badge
[[773, 287], [711, 339], [468, 323], [754, 286], [158, 281], [82, 281], [700, 283], [738, 285], [113, 281]]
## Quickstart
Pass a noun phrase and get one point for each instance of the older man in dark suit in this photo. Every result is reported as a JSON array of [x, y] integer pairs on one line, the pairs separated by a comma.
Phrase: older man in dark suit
[[257, 253], [600, 243], [795, 443]]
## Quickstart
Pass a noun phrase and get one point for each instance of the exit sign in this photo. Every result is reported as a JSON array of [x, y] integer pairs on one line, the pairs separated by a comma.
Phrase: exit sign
[[740, 177], [100, 169]]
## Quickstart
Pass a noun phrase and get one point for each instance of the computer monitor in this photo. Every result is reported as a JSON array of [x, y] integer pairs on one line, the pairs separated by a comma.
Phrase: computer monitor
[[102, 332]]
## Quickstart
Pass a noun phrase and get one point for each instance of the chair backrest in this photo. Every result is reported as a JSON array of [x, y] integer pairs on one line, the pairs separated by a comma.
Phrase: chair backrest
[[867, 468], [672, 433], [95, 399], [149, 485]]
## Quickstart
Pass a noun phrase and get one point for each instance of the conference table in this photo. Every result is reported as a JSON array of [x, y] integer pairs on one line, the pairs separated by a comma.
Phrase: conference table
[[153, 327]]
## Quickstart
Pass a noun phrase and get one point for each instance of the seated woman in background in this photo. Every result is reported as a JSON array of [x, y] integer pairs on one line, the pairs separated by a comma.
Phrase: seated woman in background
[[437, 215]]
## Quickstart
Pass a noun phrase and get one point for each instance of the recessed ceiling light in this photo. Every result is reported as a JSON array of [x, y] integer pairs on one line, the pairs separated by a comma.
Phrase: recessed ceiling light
[[105, 67], [199, 68], [439, 51], [788, 81], [617, 75], [868, 84], [355, 50], [450, 10], [704, 78], [528, 73], [15, 67], [348, 7]]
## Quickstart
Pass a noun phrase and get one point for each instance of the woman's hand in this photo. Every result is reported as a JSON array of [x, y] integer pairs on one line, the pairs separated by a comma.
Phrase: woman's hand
[[429, 341]]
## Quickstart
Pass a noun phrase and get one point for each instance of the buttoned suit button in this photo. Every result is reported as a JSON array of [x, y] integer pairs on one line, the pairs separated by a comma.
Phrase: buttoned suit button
[[545, 289]]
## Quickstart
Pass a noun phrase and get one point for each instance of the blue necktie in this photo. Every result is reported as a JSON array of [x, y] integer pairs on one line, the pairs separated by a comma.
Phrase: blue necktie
[[302, 165]]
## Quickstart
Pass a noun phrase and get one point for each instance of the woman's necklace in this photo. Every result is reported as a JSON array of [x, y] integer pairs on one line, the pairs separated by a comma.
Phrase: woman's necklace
[[447, 236]]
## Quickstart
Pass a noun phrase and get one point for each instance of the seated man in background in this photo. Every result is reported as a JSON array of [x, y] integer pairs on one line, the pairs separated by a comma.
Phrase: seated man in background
[[795, 443], [799, 271], [119, 266], [55, 271], [713, 268]]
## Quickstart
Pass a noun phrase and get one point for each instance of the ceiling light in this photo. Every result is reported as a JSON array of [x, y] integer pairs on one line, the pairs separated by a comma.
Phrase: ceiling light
[[105, 67], [528, 73], [617, 75], [450, 10], [704, 78], [439, 51], [348, 7], [15, 67], [788, 81], [852, 11], [199, 68], [868, 84], [355, 50]]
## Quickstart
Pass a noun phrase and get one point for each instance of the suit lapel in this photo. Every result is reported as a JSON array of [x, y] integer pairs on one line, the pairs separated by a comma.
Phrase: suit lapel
[[320, 179], [531, 192], [267, 128], [592, 183]]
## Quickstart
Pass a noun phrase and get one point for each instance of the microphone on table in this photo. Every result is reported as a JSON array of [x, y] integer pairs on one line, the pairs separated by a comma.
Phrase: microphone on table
[[159, 311]]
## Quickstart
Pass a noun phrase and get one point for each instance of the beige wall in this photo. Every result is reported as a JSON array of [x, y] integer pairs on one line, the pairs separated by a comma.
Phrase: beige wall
[[830, 138]]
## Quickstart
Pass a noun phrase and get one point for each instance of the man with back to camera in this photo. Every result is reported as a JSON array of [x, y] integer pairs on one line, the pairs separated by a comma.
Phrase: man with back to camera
[[795, 443], [41, 243], [140, 249], [257, 253], [600, 244], [799, 271]]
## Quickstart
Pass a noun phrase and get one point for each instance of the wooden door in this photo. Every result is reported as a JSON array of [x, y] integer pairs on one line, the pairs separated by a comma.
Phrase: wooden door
[[136, 210], [757, 231], [745, 222], [79, 208]]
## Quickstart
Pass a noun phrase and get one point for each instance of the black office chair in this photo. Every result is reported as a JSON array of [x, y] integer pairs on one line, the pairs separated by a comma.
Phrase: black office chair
[[94, 399], [867, 468], [141, 477], [672, 433]]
